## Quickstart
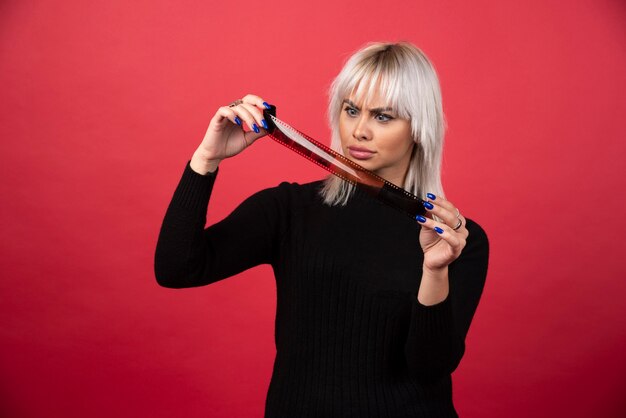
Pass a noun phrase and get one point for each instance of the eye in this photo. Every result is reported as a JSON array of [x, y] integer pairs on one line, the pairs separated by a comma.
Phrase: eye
[[349, 110], [386, 117]]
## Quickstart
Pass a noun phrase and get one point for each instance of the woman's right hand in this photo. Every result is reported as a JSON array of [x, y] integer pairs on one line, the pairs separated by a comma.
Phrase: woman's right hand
[[225, 136]]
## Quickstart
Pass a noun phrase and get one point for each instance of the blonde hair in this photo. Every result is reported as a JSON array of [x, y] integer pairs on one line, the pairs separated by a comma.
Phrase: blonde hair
[[408, 82]]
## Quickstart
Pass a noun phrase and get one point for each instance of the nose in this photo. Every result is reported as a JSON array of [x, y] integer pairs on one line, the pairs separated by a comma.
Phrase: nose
[[361, 130]]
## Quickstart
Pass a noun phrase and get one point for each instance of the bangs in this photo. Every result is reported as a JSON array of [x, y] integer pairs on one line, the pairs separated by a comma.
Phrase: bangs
[[378, 76]]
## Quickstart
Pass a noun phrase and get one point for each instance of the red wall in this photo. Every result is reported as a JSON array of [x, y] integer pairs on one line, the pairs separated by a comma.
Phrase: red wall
[[103, 103]]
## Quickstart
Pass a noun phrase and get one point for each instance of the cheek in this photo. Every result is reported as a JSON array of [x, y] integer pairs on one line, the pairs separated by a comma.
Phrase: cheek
[[398, 143], [404, 142], [344, 133], [395, 139]]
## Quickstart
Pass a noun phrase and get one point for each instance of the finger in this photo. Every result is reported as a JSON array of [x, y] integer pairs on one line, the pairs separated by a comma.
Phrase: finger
[[252, 136], [259, 105], [438, 201], [226, 113], [256, 101], [257, 114], [462, 229], [441, 201], [455, 240], [246, 113], [242, 110], [443, 213], [459, 225]]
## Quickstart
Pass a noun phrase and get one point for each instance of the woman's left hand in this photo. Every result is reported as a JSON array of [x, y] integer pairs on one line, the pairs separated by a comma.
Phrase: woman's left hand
[[440, 242]]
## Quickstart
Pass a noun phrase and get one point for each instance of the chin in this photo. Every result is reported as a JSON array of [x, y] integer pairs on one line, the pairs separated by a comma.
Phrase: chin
[[368, 165]]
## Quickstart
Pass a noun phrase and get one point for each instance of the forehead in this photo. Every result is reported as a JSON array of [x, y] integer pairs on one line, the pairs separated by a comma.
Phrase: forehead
[[374, 102], [368, 93], [371, 101]]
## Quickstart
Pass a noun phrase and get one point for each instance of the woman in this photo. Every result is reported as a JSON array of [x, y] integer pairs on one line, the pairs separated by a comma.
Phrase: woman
[[372, 307]]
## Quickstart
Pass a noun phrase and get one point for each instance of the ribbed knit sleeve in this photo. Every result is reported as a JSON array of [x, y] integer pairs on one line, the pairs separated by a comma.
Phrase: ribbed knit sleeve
[[436, 339], [188, 255]]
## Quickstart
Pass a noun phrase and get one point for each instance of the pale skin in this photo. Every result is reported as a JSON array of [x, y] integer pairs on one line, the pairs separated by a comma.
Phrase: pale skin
[[382, 132]]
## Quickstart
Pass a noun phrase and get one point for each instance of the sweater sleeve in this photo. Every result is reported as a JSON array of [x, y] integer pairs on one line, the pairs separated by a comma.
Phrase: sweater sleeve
[[436, 339], [188, 255]]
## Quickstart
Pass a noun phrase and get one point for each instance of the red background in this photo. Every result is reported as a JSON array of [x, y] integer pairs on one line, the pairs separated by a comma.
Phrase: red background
[[103, 103]]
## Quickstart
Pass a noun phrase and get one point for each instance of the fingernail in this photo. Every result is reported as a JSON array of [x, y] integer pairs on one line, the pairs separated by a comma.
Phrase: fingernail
[[431, 196], [420, 218], [428, 205], [267, 106], [238, 120], [255, 128], [438, 230], [264, 123]]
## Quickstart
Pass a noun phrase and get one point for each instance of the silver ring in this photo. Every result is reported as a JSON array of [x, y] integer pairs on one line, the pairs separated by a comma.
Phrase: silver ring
[[458, 225], [235, 103]]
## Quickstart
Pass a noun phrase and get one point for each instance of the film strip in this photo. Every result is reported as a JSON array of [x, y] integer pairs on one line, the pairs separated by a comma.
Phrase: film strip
[[343, 167]]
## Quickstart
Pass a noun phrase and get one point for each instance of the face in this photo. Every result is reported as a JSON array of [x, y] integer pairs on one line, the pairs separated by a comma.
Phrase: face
[[373, 136]]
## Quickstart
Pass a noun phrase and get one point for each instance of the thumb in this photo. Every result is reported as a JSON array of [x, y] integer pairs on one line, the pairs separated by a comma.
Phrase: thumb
[[252, 136]]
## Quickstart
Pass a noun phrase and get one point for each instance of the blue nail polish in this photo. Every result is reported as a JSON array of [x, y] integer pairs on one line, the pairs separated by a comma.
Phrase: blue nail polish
[[255, 128], [264, 123], [431, 196], [438, 230], [267, 106], [420, 218], [237, 120], [428, 205]]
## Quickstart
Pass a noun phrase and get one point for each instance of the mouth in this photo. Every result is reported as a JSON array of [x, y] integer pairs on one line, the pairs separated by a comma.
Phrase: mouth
[[361, 153]]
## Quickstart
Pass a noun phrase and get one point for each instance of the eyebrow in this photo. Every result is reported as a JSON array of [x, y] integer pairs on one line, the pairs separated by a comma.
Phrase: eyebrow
[[374, 110]]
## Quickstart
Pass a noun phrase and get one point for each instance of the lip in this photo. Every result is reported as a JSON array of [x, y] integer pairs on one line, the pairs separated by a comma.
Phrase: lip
[[360, 153]]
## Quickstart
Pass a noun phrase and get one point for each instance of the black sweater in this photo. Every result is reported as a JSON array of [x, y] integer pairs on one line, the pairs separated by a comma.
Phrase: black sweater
[[352, 340]]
